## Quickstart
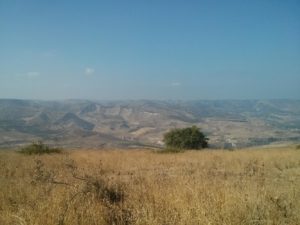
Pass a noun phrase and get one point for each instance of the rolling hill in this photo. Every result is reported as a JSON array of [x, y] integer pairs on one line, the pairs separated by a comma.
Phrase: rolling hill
[[78, 123]]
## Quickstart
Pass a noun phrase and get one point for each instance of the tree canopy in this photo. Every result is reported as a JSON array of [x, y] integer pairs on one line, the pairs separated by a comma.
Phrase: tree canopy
[[185, 138]]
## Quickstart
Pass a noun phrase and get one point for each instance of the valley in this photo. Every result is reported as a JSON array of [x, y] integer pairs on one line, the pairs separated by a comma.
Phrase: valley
[[142, 123]]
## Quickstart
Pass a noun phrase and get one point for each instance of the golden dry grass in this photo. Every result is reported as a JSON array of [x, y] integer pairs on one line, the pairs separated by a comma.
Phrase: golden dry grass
[[258, 186]]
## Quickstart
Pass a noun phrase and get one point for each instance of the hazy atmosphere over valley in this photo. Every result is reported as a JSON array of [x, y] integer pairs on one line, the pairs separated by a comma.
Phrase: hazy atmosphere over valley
[[158, 50], [105, 73]]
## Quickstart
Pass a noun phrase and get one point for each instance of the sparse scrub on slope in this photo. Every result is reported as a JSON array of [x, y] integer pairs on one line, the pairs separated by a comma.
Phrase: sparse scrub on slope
[[38, 148]]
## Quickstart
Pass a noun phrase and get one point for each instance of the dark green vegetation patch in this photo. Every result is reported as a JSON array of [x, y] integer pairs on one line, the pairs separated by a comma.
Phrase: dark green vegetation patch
[[185, 138], [38, 148]]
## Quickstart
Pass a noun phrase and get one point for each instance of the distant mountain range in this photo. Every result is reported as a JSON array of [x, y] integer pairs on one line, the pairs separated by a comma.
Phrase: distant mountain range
[[96, 124]]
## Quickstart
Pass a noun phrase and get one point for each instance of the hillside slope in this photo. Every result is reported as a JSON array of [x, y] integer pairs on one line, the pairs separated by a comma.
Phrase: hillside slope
[[78, 123]]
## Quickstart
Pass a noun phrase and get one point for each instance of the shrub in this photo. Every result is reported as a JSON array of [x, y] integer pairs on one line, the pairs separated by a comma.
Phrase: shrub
[[185, 138], [169, 150], [38, 148]]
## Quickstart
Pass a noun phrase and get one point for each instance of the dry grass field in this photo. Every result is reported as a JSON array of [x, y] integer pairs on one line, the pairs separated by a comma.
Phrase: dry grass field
[[257, 186]]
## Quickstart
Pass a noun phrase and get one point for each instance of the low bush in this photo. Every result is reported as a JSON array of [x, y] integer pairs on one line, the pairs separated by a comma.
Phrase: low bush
[[171, 150], [38, 148], [185, 138]]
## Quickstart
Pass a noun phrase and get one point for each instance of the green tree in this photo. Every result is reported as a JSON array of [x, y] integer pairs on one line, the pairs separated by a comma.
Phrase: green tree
[[185, 138]]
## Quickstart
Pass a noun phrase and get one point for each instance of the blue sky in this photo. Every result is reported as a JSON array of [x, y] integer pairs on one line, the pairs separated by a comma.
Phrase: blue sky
[[154, 49]]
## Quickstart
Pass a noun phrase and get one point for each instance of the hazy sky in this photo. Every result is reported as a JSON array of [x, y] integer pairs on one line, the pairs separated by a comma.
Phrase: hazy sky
[[149, 49]]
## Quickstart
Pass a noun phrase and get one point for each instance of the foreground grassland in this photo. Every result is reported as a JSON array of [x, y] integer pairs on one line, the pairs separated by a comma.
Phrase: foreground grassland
[[258, 186]]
